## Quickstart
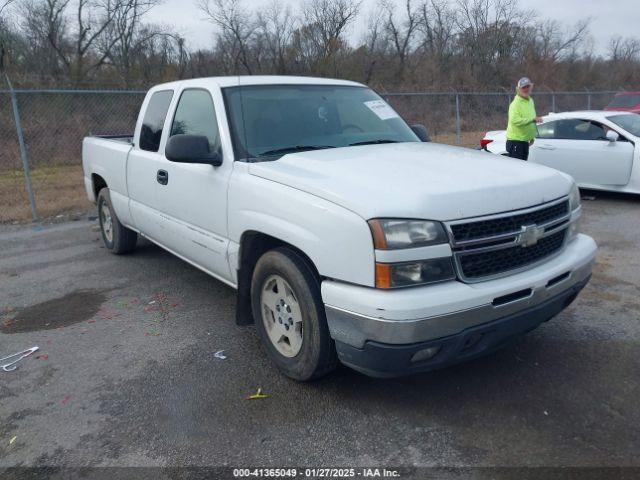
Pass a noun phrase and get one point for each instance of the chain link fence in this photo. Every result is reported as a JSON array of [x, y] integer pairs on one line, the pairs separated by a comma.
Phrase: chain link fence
[[54, 122], [462, 118]]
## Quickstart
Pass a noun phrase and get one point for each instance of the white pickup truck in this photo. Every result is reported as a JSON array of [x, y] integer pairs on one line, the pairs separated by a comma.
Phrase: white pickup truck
[[348, 237]]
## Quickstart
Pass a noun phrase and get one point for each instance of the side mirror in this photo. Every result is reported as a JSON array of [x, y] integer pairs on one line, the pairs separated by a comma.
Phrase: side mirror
[[612, 136], [421, 132], [191, 149]]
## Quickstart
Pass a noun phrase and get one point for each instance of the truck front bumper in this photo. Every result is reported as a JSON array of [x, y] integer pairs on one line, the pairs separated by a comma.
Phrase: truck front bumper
[[397, 332]]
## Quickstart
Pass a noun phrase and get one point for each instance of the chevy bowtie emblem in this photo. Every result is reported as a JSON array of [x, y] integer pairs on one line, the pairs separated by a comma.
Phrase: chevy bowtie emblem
[[529, 235]]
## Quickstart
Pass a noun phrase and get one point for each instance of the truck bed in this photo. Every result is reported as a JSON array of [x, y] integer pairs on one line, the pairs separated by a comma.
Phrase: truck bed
[[116, 138], [106, 157]]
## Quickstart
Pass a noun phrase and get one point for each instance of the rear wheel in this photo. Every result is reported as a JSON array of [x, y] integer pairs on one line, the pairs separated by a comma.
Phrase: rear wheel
[[289, 315], [116, 237]]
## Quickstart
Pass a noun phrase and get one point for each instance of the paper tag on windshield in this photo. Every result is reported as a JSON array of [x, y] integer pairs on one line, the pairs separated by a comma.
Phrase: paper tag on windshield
[[381, 109]]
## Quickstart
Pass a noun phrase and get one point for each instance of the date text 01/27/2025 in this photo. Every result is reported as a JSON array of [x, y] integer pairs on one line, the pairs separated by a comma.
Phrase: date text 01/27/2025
[[316, 473]]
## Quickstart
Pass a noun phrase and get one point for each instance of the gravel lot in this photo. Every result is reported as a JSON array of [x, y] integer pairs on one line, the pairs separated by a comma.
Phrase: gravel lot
[[126, 373]]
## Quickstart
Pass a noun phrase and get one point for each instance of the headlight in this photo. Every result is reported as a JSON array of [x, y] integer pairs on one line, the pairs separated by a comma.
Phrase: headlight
[[395, 234], [574, 206], [391, 234], [574, 228], [574, 198], [394, 275]]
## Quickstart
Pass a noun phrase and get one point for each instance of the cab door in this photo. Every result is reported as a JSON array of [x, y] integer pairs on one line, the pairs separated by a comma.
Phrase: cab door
[[144, 162], [581, 149], [193, 197]]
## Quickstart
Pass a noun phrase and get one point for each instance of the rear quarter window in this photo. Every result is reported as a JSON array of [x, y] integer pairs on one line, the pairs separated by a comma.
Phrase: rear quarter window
[[153, 120]]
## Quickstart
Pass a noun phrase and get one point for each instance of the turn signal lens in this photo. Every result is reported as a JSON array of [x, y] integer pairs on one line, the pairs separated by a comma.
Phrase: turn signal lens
[[383, 275], [394, 275], [379, 238]]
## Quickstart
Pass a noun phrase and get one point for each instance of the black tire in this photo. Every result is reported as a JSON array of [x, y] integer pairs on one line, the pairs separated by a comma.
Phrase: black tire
[[317, 356], [123, 239]]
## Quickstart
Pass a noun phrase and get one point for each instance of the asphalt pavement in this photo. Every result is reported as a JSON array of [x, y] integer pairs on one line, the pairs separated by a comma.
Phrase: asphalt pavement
[[127, 372]]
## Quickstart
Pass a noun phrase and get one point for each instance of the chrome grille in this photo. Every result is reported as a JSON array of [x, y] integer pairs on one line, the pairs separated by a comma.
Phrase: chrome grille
[[501, 244], [478, 265], [501, 225]]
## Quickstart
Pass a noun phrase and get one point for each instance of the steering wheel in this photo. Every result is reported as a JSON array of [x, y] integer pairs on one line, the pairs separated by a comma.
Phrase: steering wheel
[[351, 125]]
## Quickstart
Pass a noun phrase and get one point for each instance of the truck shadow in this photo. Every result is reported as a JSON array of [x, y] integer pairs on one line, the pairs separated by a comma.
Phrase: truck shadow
[[565, 391], [534, 401]]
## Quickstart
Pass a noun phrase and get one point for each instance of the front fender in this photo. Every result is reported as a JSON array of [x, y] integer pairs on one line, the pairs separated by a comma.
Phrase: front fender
[[337, 240]]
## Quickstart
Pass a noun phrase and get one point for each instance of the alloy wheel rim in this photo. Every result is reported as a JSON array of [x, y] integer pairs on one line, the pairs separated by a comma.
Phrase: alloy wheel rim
[[281, 316], [107, 222]]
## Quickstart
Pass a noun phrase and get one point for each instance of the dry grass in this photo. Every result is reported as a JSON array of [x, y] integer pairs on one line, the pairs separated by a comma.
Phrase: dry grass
[[468, 139], [59, 190]]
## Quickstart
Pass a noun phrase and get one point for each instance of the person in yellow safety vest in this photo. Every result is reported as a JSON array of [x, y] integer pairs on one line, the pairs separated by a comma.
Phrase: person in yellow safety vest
[[521, 127]]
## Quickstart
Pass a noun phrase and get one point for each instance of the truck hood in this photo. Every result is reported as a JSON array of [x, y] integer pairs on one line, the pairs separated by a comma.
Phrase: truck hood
[[416, 180]]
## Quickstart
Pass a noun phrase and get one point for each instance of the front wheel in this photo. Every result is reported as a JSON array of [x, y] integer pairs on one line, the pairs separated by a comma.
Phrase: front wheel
[[289, 315]]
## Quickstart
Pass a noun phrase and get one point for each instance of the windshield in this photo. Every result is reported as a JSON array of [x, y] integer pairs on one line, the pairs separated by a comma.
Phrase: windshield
[[630, 122], [624, 101], [268, 121]]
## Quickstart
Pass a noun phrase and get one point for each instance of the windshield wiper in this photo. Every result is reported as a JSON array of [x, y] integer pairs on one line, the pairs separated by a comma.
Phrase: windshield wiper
[[297, 148], [373, 142]]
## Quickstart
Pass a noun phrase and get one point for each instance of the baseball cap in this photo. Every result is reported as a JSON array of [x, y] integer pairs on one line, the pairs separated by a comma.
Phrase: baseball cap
[[524, 81]]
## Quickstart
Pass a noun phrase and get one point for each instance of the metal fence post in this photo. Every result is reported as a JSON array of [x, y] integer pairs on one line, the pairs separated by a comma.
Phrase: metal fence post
[[588, 98], [553, 101], [458, 122], [23, 150]]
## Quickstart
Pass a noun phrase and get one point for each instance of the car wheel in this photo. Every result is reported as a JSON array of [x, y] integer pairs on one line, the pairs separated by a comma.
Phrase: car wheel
[[116, 237], [289, 315]]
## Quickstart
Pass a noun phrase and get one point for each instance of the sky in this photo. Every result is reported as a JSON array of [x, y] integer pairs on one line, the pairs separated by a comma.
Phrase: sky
[[608, 17]]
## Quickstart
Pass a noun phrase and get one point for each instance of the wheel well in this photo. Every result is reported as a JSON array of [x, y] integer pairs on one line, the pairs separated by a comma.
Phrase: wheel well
[[98, 184], [252, 246]]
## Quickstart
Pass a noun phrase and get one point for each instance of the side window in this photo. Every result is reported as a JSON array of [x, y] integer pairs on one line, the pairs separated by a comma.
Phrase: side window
[[153, 121], [196, 115], [575, 129], [547, 130]]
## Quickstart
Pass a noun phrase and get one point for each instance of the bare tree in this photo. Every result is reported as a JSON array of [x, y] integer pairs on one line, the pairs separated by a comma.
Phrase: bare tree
[[43, 24], [624, 60], [624, 49], [373, 44], [236, 24], [125, 36], [438, 29], [401, 33], [491, 33], [556, 41], [325, 24], [74, 36], [417, 44], [276, 24], [4, 31]]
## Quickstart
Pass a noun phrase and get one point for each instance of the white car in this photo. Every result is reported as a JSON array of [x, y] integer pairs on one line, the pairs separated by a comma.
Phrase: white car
[[347, 237], [599, 149]]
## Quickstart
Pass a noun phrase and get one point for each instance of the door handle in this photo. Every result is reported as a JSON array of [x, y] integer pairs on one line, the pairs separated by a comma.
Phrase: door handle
[[162, 177], [546, 147]]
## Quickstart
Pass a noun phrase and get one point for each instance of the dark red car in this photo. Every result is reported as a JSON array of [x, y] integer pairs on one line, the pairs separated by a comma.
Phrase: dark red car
[[625, 102]]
